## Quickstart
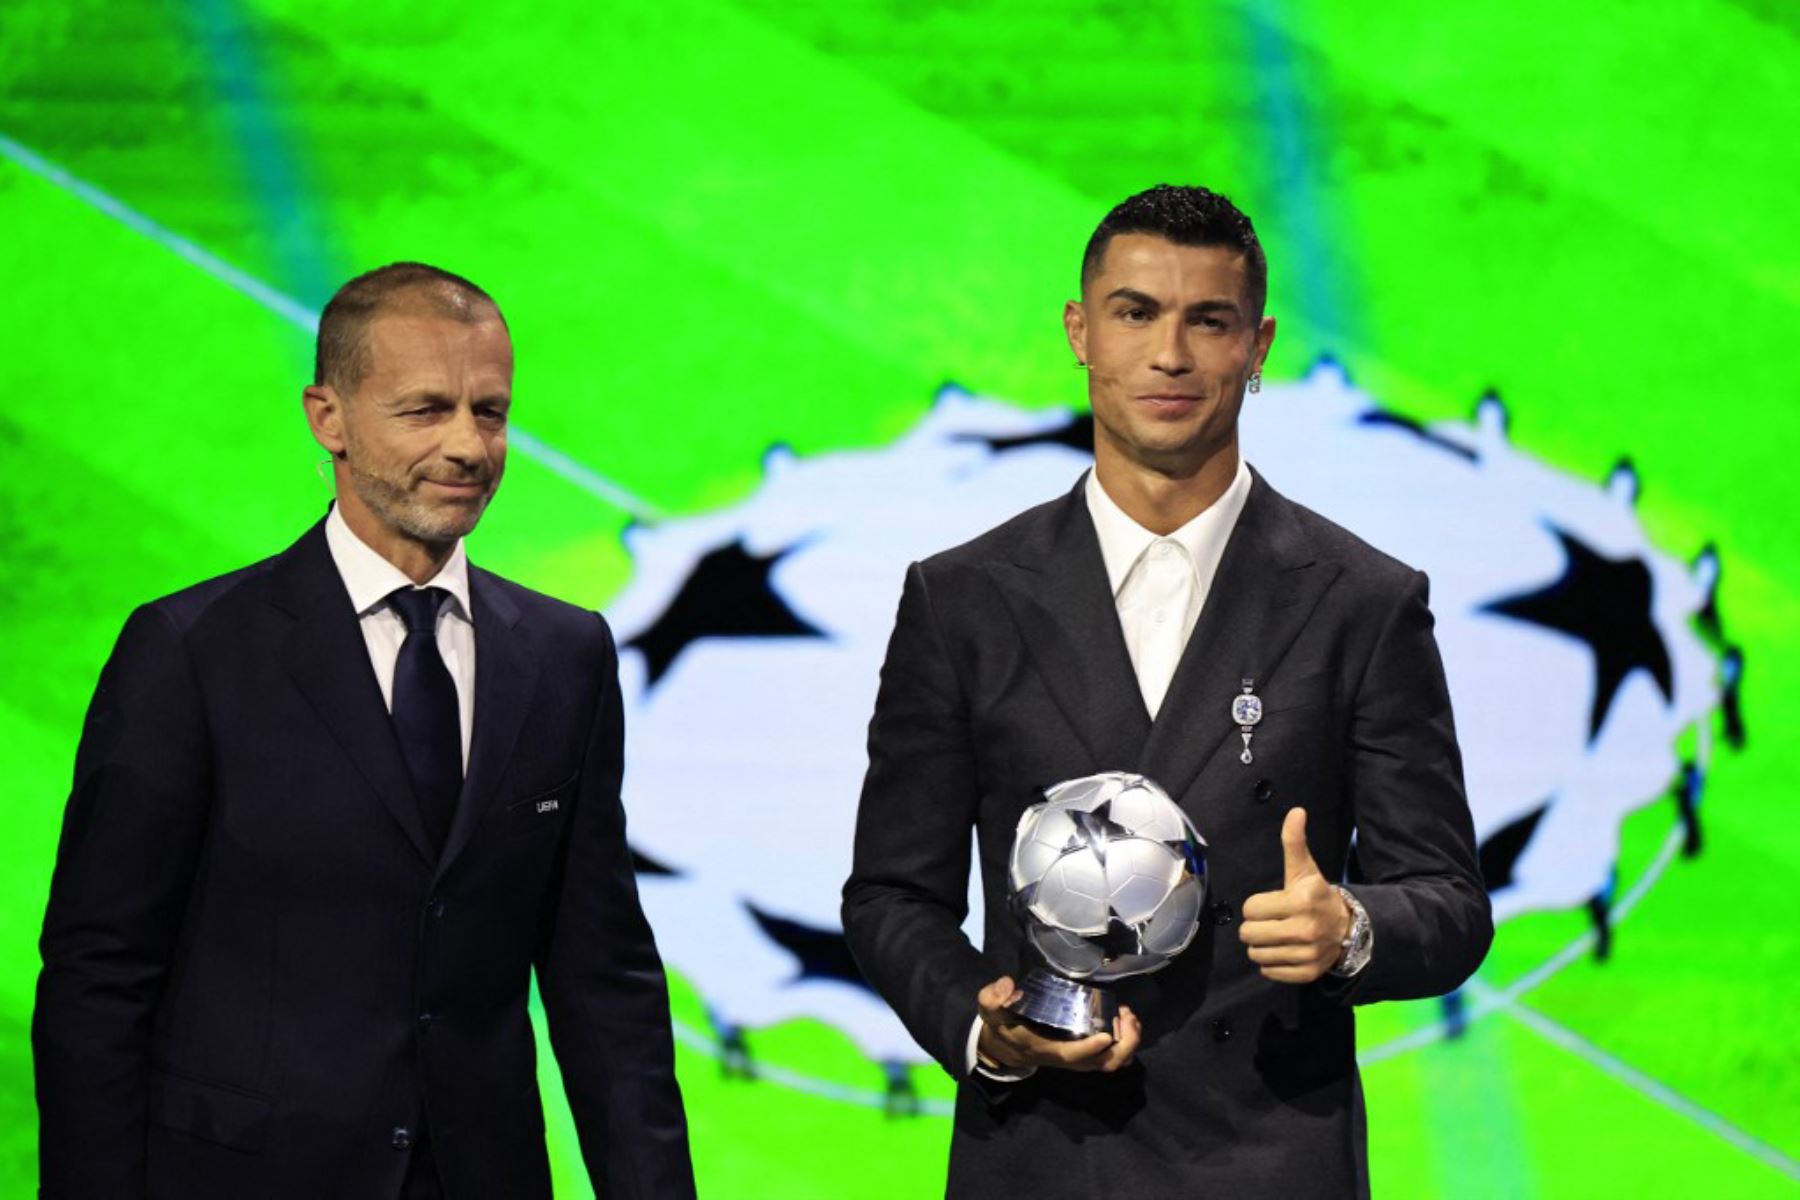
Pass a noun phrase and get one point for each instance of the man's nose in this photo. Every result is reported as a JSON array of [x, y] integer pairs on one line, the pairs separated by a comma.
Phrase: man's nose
[[463, 442], [1173, 356]]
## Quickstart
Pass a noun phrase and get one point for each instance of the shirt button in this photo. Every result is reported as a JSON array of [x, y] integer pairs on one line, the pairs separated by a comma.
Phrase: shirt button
[[1164, 550], [400, 1138], [1160, 615]]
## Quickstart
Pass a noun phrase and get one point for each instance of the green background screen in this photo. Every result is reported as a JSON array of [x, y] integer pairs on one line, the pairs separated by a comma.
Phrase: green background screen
[[721, 226]]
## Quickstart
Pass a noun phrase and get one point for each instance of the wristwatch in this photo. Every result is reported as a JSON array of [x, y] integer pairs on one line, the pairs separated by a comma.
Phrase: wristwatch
[[1359, 943]]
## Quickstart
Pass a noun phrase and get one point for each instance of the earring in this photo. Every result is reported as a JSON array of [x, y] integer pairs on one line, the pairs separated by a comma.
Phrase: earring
[[319, 470], [1255, 382]]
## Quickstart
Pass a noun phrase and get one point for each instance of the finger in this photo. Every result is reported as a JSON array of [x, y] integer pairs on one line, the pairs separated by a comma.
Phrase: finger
[[995, 997], [1296, 859], [1127, 1035], [1284, 956], [1083, 1054], [1306, 930], [1021, 1036], [1271, 906]]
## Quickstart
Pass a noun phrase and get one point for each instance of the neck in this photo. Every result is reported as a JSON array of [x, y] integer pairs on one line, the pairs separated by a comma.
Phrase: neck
[[1160, 499], [418, 561]]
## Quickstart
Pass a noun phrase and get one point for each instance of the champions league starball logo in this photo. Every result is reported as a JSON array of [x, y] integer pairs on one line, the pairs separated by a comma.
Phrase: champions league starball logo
[[1580, 658]]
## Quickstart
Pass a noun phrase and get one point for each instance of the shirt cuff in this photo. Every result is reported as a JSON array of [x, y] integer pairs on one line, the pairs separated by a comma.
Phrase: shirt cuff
[[997, 1073]]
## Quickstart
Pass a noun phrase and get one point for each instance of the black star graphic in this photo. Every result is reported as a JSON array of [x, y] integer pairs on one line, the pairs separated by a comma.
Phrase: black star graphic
[[1078, 434], [1499, 854], [643, 864], [1605, 602], [821, 953], [1376, 416], [727, 594]]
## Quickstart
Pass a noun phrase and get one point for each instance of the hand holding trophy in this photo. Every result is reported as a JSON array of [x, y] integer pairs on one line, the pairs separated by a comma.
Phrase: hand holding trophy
[[1108, 876]]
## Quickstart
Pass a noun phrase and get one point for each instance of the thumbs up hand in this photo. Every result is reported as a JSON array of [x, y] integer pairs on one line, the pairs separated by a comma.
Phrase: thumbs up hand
[[1297, 934]]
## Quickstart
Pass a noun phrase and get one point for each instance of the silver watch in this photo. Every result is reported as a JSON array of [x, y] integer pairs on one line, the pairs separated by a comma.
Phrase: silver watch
[[1359, 943]]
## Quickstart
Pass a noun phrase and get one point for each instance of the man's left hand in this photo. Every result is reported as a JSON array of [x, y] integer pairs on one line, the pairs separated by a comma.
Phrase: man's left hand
[[1297, 934]]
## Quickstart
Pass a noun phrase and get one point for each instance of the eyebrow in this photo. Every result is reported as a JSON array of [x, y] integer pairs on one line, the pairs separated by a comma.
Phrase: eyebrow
[[425, 396], [1148, 301], [1133, 295]]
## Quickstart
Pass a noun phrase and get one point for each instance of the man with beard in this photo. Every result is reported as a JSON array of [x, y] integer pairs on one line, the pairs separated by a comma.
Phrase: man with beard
[[329, 814], [1120, 628]]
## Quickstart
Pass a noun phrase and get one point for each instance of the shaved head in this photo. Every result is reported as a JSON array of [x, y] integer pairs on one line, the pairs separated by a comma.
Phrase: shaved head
[[342, 358]]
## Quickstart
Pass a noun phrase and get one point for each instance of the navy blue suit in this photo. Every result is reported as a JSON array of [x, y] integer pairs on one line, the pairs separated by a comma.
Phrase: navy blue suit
[[259, 981]]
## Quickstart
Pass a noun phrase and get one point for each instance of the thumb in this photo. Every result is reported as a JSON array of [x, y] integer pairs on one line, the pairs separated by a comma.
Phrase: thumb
[[1297, 860]]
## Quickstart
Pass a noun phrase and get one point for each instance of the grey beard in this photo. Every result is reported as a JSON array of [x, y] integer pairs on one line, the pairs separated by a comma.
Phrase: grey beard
[[398, 509]]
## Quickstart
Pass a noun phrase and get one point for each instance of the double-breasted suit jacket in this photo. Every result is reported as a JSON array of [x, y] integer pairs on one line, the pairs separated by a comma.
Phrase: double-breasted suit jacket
[[1008, 672], [259, 978]]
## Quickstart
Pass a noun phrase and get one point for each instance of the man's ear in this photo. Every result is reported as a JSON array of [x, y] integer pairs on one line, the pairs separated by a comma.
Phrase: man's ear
[[325, 417], [1265, 337], [1075, 327]]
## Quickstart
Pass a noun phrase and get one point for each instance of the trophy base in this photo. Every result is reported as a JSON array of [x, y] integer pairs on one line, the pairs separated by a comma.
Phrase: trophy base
[[1062, 1008]]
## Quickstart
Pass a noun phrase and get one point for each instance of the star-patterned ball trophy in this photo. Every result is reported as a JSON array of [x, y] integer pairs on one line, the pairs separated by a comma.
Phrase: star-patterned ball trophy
[[1107, 875]]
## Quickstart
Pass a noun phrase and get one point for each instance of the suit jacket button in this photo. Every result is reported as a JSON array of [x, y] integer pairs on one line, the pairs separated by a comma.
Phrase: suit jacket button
[[1221, 1030], [436, 905], [400, 1138], [424, 1020], [1222, 913], [1262, 791]]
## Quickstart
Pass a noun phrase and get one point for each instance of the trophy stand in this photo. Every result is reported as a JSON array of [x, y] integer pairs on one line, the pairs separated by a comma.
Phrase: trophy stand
[[1062, 1008]]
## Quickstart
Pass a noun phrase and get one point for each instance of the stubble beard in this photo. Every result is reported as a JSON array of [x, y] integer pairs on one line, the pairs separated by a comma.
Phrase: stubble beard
[[396, 503]]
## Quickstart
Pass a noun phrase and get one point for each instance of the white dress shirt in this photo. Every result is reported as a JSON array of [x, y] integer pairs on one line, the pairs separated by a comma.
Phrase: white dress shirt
[[1159, 585], [370, 579]]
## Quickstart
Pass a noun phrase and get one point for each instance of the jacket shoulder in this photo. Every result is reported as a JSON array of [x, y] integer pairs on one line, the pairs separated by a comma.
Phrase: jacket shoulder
[[561, 621], [997, 543], [1337, 544], [191, 605]]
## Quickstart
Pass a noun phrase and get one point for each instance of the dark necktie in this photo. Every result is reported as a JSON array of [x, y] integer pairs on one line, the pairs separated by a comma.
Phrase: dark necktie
[[425, 712]]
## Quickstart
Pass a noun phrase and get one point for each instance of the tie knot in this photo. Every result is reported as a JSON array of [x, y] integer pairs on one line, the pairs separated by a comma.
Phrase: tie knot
[[418, 607]]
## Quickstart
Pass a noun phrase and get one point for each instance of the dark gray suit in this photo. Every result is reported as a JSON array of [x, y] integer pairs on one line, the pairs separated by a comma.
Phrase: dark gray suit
[[1008, 672]]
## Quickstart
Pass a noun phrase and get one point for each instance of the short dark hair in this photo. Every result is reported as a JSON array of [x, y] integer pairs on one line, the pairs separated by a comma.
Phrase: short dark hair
[[341, 357], [1187, 216]]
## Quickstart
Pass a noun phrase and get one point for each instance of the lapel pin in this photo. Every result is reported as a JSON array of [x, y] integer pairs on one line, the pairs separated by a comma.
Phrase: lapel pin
[[1246, 712]]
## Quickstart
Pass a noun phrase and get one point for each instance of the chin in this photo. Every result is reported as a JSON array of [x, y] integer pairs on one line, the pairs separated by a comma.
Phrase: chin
[[444, 526]]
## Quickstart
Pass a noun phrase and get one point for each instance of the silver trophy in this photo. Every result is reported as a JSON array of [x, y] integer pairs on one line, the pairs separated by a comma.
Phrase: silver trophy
[[1108, 875]]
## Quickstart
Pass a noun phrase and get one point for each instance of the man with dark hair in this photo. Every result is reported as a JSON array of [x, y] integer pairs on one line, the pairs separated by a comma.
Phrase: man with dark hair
[[313, 854], [1112, 630]]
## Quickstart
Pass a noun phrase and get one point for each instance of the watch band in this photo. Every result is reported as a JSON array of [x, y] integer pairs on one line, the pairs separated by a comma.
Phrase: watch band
[[1359, 943]]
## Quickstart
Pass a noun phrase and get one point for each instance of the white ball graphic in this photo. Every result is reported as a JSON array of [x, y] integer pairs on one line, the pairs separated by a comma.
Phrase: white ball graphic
[[1108, 873]]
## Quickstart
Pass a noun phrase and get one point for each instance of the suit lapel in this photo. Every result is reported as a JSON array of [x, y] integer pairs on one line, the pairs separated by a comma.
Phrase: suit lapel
[[329, 661], [1055, 585], [505, 675], [1266, 587]]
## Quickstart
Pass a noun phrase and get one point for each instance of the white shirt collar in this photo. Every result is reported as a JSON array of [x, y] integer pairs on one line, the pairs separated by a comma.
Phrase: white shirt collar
[[370, 578], [1123, 541]]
